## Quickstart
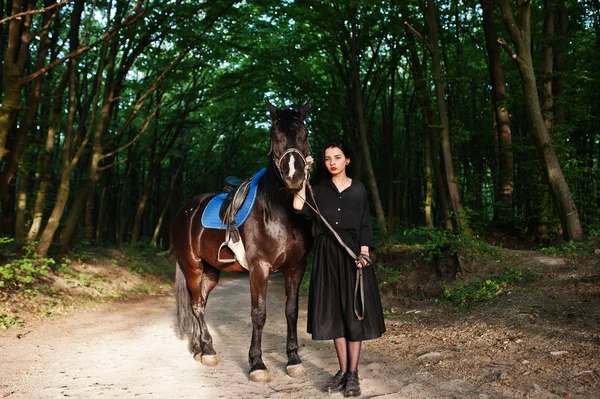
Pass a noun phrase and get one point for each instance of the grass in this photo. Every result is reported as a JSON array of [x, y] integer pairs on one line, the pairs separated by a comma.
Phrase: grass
[[35, 288]]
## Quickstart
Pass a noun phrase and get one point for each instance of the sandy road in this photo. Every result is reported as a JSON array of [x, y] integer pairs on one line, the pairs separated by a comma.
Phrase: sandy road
[[129, 349]]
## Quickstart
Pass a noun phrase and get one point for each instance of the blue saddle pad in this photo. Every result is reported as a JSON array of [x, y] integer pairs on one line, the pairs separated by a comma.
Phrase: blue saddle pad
[[210, 216]]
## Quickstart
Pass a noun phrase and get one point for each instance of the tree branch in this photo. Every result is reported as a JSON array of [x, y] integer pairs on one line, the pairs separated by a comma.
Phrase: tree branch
[[107, 35], [511, 25], [420, 37], [140, 102], [508, 50], [101, 168], [39, 11], [140, 132]]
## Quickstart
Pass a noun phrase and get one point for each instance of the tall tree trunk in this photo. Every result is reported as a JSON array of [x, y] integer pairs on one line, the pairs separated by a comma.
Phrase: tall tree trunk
[[548, 55], [362, 132], [33, 97], [43, 174], [137, 225], [26, 127], [17, 54], [504, 213], [424, 101], [122, 218], [174, 180], [86, 188], [451, 179], [108, 102], [11, 136], [103, 203], [90, 210], [71, 154], [559, 61], [439, 177], [521, 37], [388, 148]]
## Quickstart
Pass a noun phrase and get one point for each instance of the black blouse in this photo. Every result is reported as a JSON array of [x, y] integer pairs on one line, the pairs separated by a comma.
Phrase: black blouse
[[348, 210]]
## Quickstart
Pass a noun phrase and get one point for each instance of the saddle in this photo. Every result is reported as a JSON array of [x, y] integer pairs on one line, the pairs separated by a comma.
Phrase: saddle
[[237, 191], [229, 210]]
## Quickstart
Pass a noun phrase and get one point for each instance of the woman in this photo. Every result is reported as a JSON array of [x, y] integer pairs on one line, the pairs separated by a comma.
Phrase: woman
[[331, 304]]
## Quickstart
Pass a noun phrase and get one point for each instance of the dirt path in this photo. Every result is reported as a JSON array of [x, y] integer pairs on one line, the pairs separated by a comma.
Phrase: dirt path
[[129, 349]]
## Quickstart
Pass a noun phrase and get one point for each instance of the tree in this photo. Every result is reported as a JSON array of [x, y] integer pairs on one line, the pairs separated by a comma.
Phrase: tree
[[521, 37], [451, 181], [501, 115]]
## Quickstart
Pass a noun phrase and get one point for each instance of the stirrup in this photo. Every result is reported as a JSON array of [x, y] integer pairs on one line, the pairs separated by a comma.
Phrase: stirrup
[[229, 260]]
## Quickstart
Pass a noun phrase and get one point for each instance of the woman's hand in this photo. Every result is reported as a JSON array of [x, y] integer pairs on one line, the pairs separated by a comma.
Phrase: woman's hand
[[363, 260], [309, 162]]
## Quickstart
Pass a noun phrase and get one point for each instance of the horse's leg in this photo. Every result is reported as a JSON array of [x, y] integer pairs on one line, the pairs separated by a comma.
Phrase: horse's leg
[[293, 278], [199, 285], [258, 292], [210, 278]]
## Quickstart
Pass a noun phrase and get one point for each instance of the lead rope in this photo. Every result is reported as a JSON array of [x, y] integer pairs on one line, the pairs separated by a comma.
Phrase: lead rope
[[359, 286]]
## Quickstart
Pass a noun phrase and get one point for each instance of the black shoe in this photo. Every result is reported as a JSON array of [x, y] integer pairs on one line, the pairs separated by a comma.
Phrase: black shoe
[[352, 384], [337, 383]]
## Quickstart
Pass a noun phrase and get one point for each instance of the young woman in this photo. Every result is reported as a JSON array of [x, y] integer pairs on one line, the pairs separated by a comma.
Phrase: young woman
[[331, 304]]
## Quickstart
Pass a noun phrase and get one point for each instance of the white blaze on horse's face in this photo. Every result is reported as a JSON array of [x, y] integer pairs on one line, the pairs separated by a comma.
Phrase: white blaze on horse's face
[[291, 167]]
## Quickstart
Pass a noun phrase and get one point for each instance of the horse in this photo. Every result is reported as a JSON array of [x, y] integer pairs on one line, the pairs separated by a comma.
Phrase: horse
[[275, 239]]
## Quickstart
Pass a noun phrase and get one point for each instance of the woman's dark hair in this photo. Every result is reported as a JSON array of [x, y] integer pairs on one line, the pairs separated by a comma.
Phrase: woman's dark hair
[[321, 171]]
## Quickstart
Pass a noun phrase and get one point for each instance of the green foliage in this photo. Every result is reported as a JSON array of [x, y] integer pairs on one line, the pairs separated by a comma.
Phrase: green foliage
[[567, 249], [390, 278], [21, 272], [7, 319], [305, 284], [145, 259], [594, 232], [483, 289], [435, 243]]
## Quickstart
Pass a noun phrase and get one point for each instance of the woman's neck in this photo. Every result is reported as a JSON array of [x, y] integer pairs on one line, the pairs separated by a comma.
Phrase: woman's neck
[[340, 178]]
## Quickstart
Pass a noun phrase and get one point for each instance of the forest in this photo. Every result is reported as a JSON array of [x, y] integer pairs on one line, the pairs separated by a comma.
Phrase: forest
[[474, 117]]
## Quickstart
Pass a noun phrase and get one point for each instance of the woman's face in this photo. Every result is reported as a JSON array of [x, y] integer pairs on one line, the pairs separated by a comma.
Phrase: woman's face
[[335, 160]]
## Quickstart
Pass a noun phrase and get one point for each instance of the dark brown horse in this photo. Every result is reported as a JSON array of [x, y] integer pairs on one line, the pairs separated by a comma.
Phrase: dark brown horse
[[275, 239]]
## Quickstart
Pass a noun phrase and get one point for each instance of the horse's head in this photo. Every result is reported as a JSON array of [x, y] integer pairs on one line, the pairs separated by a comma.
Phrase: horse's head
[[289, 144]]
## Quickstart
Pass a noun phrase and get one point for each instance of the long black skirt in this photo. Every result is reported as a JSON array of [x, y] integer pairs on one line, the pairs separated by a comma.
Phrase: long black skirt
[[331, 295]]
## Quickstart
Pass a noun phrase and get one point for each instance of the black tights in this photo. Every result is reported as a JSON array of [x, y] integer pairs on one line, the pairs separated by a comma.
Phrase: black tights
[[348, 353]]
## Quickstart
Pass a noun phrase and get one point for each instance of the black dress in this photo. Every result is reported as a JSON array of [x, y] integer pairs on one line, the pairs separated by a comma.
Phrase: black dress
[[331, 294]]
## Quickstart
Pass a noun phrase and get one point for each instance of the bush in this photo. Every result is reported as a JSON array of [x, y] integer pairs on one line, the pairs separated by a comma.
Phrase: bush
[[145, 259], [390, 276], [461, 293], [569, 249], [23, 271]]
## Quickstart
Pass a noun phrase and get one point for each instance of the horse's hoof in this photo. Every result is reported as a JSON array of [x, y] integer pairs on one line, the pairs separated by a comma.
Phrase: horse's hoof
[[295, 370], [260, 376], [198, 356], [209, 360]]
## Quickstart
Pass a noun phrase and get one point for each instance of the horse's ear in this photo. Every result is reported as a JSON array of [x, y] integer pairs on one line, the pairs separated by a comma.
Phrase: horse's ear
[[304, 110], [272, 109]]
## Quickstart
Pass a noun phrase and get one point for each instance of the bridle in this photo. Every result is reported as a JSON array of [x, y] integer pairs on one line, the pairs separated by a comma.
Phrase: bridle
[[277, 160]]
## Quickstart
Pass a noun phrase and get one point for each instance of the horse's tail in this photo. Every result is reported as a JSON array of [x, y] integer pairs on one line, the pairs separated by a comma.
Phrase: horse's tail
[[183, 301]]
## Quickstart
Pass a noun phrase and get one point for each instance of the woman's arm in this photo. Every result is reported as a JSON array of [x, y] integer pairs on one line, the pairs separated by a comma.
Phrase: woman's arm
[[300, 196]]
